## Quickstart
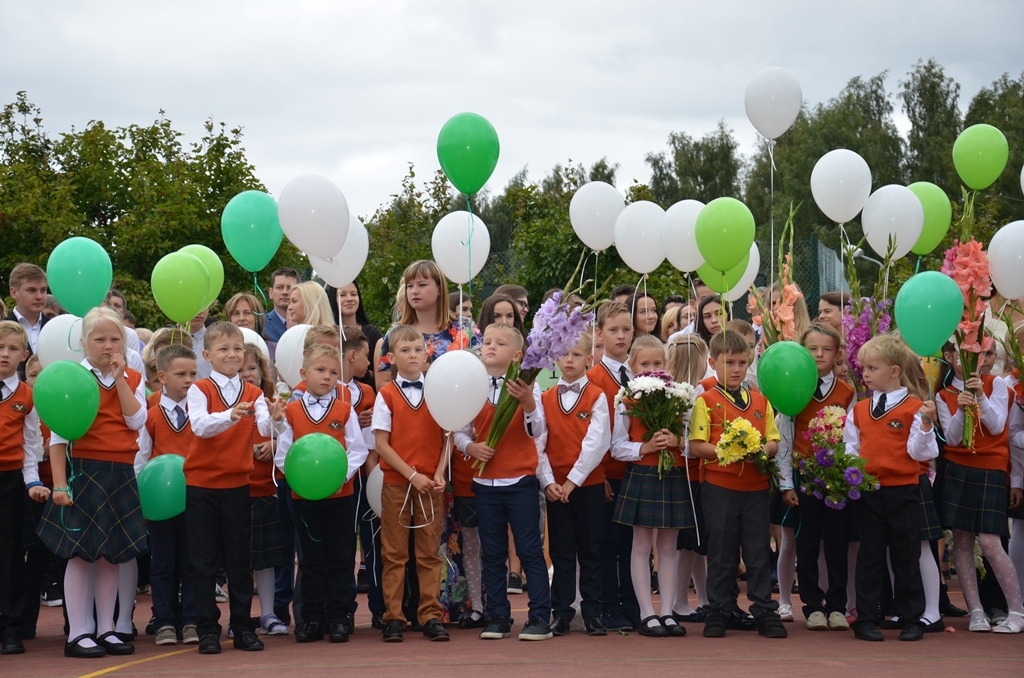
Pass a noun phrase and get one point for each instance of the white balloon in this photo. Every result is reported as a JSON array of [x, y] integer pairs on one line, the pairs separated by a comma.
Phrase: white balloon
[[638, 236], [288, 357], [461, 245], [773, 101], [455, 389], [841, 184], [743, 286], [343, 267], [256, 340], [1005, 261], [592, 213], [892, 211], [374, 486], [1022, 179], [314, 215], [61, 339], [677, 235]]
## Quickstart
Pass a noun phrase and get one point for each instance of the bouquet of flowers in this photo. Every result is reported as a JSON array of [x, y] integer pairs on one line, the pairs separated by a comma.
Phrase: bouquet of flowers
[[779, 322], [832, 474], [1013, 350], [865, 317], [741, 442], [658, 402]]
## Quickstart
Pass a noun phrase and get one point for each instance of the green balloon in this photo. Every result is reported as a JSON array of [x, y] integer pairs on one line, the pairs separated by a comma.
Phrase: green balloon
[[467, 148], [213, 266], [315, 466], [723, 282], [724, 232], [979, 155], [938, 213], [180, 283], [251, 230], [162, 487], [787, 376], [67, 398], [928, 310], [79, 274]]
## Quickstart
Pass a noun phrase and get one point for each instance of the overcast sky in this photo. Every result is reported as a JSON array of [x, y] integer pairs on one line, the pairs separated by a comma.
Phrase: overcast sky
[[356, 90]]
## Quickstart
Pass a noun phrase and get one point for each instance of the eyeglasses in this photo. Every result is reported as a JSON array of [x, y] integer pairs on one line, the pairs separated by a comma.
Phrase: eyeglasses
[[523, 305]]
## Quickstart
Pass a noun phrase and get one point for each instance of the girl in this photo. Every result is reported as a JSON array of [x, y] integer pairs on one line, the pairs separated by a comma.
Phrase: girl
[[308, 304], [519, 295], [708, 322], [650, 503], [245, 310], [93, 518], [646, 316], [347, 308], [1016, 551], [466, 309], [500, 308], [268, 539], [670, 323], [974, 491]]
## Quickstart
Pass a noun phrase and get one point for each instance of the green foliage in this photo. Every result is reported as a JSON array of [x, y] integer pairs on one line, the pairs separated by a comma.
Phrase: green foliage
[[701, 170]]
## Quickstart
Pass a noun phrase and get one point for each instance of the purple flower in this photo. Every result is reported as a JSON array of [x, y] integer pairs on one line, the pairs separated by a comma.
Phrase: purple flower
[[878, 486], [802, 465], [853, 476], [824, 459], [818, 495], [853, 494], [556, 330], [819, 482], [840, 505]]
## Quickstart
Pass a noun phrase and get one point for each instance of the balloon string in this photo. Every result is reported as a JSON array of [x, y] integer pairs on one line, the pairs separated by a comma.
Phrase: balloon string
[[469, 246], [462, 335], [71, 493], [70, 329], [771, 265], [917, 269], [843, 243], [266, 302], [593, 327]]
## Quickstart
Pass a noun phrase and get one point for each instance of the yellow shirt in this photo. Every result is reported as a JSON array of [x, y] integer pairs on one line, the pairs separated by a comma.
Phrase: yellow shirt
[[700, 424]]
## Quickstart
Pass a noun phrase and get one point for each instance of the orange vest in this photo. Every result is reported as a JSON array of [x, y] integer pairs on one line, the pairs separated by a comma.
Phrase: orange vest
[[13, 410], [599, 375], [637, 431], [261, 477], [363, 402], [566, 431], [840, 395], [415, 436], [332, 423], [167, 439], [991, 451], [883, 442], [153, 400], [223, 461], [109, 438], [516, 454], [739, 476], [462, 474]]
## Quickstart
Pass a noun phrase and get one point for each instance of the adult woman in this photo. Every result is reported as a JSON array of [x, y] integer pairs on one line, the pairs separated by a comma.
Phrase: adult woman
[[670, 323], [309, 304], [708, 322], [646, 317], [244, 310], [500, 308], [347, 310], [518, 295]]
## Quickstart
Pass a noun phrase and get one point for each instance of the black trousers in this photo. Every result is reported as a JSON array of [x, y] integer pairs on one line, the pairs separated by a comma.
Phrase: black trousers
[[219, 533], [574, 535], [616, 552], [889, 519], [819, 523], [12, 551], [326, 531]]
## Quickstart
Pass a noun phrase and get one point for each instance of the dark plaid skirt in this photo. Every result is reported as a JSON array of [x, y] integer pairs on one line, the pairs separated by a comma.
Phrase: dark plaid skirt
[[268, 549], [646, 501], [781, 514], [105, 520], [975, 500], [688, 539], [465, 511], [931, 526]]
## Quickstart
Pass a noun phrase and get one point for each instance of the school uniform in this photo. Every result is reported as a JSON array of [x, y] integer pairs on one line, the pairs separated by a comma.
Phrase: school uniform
[[735, 499], [267, 530], [32, 330], [1016, 444], [326, 527], [886, 432], [217, 495], [814, 522], [575, 434]]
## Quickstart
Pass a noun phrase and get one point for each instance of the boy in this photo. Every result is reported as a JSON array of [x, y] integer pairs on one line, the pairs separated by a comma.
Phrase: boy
[[281, 282], [28, 289], [412, 457], [578, 431], [893, 432], [506, 492], [224, 414], [327, 559], [20, 450], [621, 611], [831, 307], [167, 431], [735, 496]]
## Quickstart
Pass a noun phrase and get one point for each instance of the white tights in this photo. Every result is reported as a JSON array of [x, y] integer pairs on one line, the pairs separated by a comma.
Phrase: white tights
[[127, 585], [787, 566], [932, 581], [668, 579], [471, 564], [691, 566], [265, 587], [101, 580], [1017, 550], [1002, 568]]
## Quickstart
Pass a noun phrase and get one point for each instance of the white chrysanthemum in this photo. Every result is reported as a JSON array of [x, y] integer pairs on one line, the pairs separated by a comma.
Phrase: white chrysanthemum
[[640, 385], [683, 391]]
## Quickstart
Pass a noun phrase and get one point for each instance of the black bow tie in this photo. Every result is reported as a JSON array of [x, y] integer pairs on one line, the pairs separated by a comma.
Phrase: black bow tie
[[413, 384], [497, 381]]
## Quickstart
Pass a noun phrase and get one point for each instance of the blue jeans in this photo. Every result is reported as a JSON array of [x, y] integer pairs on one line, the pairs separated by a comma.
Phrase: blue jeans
[[168, 543], [516, 506]]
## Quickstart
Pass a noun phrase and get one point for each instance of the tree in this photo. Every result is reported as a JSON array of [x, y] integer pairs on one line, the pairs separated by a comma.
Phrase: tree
[[931, 102], [702, 169], [1002, 104]]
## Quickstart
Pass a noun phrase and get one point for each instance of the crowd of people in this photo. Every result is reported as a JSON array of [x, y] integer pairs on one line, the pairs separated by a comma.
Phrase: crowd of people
[[574, 481]]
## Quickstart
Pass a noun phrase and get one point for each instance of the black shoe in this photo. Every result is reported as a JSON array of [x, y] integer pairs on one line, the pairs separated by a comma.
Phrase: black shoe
[[472, 620], [715, 624], [741, 621], [283, 614], [912, 632], [560, 627], [27, 633], [515, 583], [694, 617], [654, 582], [151, 626], [114, 645], [434, 630], [309, 632], [935, 627], [656, 631], [377, 620], [890, 624], [770, 626], [616, 621], [951, 610], [497, 628], [593, 626], [73, 649], [350, 624], [11, 645], [362, 586], [209, 644], [339, 632], [675, 629], [536, 629], [392, 631], [247, 641], [868, 631]]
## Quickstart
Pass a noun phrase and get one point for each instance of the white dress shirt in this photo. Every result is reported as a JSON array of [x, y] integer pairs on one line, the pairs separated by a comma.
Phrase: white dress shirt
[[33, 438], [317, 408], [355, 394], [1016, 439], [134, 422], [921, 445], [145, 452], [206, 424], [787, 430], [32, 330], [594, 444], [994, 412], [382, 413]]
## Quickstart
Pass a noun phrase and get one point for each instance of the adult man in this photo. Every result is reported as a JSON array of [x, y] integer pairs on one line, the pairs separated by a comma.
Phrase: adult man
[[280, 291], [28, 288]]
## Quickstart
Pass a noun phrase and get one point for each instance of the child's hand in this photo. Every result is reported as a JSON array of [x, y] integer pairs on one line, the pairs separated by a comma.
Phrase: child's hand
[[522, 392], [790, 498], [263, 451], [974, 384], [276, 409], [421, 483], [1016, 498], [440, 484], [927, 413], [671, 439], [117, 366], [659, 441], [965, 400], [553, 492], [567, 490], [609, 496], [366, 418], [62, 499], [40, 494], [241, 410], [480, 451]]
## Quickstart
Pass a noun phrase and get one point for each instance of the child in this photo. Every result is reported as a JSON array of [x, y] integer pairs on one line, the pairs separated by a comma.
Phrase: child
[[893, 432], [822, 609], [621, 611], [735, 496], [319, 334], [20, 448], [161, 339], [94, 519], [578, 435], [974, 494], [325, 526], [506, 492], [28, 288], [167, 431], [268, 531], [411, 451], [226, 414], [651, 500]]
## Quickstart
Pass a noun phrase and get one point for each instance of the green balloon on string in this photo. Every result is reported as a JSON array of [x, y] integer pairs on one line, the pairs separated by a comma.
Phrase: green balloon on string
[[180, 284], [928, 309], [251, 229], [67, 398], [724, 232], [214, 268], [316, 466], [788, 376], [938, 213], [162, 487], [467, 148], [79, 274], [979, 155], [721, 282]]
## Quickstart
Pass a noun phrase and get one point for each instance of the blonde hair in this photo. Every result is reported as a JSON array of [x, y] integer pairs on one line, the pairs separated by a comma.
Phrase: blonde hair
[[8, 327], [586, 342], [400, 333], [322, 334], [266, 377], [688, 359], [912, 376], [670, 318], [32, 360], [516, 335], [405, 313], [648, 341], [222, 329], [144, 335], [96, 317], [164, 337], [891, 350], [315, 303], [609, 310], [321, 351]]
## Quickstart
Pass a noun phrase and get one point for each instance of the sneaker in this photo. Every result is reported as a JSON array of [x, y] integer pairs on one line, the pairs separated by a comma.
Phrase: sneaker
[[497, 628], [51, 598], [515, 583], [220, 595], [770, 626], [786, 613], [190, 635], [272, 626], [837, 622], [166, 635], [816, 621], [535, 629], [142, 590]]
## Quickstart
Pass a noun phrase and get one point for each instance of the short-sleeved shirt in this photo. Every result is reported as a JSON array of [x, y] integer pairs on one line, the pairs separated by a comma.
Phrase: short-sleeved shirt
[[459, 335]]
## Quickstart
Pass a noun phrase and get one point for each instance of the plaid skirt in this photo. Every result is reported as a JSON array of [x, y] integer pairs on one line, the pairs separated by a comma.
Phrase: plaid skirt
[[931, 526], [688, 539], [105, 520], [975, 500], [268, 549], [646, 501]]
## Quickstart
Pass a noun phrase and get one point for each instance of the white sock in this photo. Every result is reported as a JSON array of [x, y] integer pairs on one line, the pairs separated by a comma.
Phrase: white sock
[[105, 584], [643, 540], [932, 580], [127, 585], [265, 587], [787, 566], [76, 599], [471, 564], [668, 565], [686, 560]]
